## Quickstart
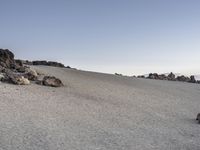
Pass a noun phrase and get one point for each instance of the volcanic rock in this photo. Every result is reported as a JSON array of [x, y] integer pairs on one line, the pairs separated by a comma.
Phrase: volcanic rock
[[52, 81], [48, 63]]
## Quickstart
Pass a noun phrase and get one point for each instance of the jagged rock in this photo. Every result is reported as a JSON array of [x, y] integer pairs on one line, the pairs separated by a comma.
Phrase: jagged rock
[[183, 78], [198, 117], [52, 81], [192, 79], [171, 76], [7, 59]]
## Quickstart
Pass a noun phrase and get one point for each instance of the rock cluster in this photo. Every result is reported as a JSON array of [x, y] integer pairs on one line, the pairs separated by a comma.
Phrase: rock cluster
[[15, 72], [170, 77]]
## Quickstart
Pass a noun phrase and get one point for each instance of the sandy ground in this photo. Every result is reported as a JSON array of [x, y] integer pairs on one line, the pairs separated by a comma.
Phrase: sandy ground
[[99, 112]]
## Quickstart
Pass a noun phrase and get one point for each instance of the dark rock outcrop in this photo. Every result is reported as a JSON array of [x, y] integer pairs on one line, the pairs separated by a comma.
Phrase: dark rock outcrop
[[7, 59], [48, 63], [51, 81]]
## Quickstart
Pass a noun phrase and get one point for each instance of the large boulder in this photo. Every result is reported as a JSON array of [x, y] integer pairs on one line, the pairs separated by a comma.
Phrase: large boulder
[[52, 81], [7, 59]]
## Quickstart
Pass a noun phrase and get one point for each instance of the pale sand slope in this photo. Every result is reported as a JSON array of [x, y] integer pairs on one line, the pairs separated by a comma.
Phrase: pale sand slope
[[99, 112]]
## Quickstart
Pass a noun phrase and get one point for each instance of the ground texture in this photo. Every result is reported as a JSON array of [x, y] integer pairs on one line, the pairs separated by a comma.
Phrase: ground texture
[[96, 111]]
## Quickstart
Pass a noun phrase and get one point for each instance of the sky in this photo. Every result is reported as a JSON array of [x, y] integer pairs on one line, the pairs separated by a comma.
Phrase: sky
[[131, 37]]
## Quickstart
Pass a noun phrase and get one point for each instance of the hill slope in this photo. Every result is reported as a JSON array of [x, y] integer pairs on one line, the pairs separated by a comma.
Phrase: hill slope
[[99, 111]]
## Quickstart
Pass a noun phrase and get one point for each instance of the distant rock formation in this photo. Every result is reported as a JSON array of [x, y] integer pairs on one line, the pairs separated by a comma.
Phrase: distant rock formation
[[170, 77], [48, 63]]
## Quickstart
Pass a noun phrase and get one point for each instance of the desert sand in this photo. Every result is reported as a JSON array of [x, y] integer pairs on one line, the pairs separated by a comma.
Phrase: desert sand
[[96, 111]]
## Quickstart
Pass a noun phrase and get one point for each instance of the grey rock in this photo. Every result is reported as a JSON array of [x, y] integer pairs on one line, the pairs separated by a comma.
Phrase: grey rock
[[52, 81]]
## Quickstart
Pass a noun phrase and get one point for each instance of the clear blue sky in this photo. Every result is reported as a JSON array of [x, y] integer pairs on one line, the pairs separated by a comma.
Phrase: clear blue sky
[[124, 36]]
